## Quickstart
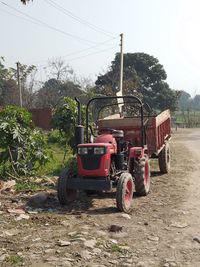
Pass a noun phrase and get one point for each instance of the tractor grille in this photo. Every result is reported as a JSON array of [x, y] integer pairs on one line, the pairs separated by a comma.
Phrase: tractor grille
[[91, 161]]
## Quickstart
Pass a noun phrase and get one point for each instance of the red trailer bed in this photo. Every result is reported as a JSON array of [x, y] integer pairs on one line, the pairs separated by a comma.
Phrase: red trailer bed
[[158, 129]]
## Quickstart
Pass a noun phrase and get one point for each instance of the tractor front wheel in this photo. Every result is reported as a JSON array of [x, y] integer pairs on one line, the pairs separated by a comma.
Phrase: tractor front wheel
[[142, 176], [65, 194], [124, 194]]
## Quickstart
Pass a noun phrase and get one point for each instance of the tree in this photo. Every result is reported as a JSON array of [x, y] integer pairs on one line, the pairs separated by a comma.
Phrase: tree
[[184, 100], [48, 95], [196, 102], [27, 79], [62, 82], [65, 119], [59, 70], [144, 76], [9, 93], [8, 86], [53, 91]]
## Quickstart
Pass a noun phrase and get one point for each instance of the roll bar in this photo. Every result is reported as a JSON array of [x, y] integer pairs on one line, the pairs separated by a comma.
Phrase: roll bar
[[116, 97]]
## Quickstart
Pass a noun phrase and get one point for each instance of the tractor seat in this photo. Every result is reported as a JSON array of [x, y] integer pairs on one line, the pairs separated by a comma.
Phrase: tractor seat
[[118, 133], [115, 133]]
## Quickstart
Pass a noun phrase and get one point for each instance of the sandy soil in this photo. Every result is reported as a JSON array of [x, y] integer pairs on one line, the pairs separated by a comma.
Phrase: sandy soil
[[162, 229]]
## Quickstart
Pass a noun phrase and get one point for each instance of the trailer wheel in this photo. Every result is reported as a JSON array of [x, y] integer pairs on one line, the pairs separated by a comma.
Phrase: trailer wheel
[[124, 194], [65, 195], [142, 176], [164, 159]]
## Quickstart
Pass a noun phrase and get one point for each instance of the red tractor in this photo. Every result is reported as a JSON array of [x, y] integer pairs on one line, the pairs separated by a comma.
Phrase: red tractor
[[119, 154]]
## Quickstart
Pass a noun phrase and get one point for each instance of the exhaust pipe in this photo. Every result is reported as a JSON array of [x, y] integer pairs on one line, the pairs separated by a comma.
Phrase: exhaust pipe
[[79, 129]]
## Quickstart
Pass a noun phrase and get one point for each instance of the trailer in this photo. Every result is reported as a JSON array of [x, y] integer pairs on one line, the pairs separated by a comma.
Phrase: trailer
[[119, 153], [157, 133]]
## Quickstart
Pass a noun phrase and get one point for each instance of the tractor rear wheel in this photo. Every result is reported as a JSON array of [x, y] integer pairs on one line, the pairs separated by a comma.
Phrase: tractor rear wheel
[[164, 159], [124, 194], [65, 195], [142, 176]]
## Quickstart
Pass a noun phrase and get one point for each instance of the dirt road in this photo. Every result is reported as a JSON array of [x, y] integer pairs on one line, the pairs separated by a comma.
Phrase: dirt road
[[161, 230]]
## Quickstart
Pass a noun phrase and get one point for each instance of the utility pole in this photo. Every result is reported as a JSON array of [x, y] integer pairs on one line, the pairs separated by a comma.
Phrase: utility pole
[[19, 83], [121, 62], [120, 92]]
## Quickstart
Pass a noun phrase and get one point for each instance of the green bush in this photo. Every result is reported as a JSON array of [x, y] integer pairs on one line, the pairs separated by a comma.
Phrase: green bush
[[22, 147], [64, 120], [55, 137]]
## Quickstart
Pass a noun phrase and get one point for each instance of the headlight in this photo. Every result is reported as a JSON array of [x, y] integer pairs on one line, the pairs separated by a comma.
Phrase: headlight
[[82, 150], [99, 150]]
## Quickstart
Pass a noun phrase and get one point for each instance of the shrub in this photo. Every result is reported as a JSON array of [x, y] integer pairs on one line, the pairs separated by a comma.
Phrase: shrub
[[22, 147], [55, 137], [64, 121]]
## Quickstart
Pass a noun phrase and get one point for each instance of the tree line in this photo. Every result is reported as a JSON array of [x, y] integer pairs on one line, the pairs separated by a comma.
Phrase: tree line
[[186, 102], [144, 77]]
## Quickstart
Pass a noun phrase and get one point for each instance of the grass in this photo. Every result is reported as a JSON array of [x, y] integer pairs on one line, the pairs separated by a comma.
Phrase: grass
[[55, 163], [14, 259], [56, 150], [100, 243], [53, 167], [190, 118], [116, 248], [25, 185]]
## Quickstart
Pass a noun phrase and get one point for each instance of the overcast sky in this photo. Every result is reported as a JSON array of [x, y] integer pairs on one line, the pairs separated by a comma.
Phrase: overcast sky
[[86, 34]]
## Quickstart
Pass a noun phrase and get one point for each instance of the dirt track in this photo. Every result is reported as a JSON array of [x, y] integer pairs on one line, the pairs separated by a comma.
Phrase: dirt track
[[162, 229]]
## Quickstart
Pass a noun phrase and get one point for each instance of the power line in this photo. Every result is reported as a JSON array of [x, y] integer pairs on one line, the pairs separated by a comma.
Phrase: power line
[[44, 24], [67, 55], [90, 54], [41, 23], [19, 16], [78, 52], [94, 53], [41, 68], [80, 20]]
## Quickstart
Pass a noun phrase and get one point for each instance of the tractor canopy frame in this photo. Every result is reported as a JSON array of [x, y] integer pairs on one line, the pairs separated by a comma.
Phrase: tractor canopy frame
[[129, 97]]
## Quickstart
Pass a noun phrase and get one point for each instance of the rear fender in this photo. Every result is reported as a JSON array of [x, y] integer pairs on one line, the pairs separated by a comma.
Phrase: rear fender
[[135, 153]]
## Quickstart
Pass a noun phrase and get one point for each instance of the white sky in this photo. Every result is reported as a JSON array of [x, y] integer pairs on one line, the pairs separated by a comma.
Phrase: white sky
[[166, 29]]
